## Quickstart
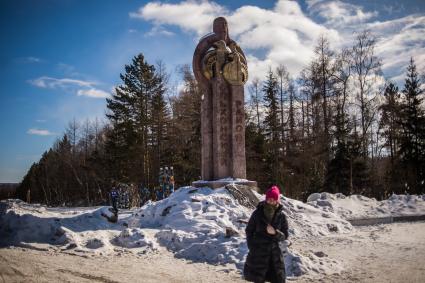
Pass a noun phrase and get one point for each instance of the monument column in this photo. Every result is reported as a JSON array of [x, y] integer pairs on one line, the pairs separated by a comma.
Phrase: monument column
[[238, 134], [221, 70], [206, 137]]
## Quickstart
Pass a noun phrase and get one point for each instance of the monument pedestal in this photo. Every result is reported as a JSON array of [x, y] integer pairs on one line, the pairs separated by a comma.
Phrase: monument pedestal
[[224, 182]]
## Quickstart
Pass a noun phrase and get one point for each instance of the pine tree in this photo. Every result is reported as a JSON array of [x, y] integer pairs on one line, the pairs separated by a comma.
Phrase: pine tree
[[160, 118], [290, 164], [271, 120], [255, 147], [324, 84], [412, 143], [390, 119], [390, 130], [283, 79], [272, 128], [255, 100], [291, 147], [359, 170], [185, 132], [339, 175], [130, 114]]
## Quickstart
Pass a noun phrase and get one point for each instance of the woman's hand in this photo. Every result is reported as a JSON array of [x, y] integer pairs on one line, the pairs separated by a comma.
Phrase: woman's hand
[[271, 230]]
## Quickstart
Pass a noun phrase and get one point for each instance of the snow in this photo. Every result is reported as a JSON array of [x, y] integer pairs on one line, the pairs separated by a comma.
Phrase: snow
[[134, 238], [82, 229], [361, 207], [192, 223]]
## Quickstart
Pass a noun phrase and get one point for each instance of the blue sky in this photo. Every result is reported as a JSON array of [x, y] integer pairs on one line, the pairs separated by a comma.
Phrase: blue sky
[[60, 59]]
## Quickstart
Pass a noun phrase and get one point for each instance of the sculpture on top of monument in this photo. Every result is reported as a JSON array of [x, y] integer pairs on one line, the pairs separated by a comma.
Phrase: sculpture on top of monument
[[220, 68]]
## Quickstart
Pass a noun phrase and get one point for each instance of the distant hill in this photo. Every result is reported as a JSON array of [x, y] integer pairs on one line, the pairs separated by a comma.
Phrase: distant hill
[[8, 190]]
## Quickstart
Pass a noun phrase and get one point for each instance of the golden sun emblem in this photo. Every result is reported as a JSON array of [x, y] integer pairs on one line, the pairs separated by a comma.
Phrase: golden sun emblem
[[233, 68]]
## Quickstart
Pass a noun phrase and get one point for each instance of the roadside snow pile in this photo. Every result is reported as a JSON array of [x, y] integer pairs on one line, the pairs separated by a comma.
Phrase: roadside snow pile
[[134, 238], [83, 230], [193, 224], [208, 225], [358, 206], [306, 221], [401, 205], [311, 263]]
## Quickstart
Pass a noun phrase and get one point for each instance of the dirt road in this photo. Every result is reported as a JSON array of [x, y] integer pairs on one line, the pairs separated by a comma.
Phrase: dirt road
[[28, 265], [389, 253]]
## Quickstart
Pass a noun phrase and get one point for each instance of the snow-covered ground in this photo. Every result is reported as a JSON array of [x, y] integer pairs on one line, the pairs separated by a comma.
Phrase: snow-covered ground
[[200, 225]]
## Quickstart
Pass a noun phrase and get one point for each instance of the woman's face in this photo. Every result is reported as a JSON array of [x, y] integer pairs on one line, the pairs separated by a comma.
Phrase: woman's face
[[272, 201]]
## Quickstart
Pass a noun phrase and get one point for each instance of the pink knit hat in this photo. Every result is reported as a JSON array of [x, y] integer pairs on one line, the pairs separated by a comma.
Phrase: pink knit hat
[[273, 193]]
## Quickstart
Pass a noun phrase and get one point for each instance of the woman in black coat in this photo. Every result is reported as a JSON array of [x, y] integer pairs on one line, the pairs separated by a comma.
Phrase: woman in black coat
[[266, 228]]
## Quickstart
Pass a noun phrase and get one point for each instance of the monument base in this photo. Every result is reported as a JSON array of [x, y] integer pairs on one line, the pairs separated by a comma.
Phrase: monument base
[[224, 182]]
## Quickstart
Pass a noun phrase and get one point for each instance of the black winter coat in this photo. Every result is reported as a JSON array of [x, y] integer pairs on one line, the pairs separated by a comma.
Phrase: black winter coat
[[265, 259]]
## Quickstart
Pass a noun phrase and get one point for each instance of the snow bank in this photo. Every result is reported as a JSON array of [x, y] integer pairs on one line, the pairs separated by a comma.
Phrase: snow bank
[[359, 207], [306, 221], [21, 223], [83, 230], [193, 223], [311, 263]]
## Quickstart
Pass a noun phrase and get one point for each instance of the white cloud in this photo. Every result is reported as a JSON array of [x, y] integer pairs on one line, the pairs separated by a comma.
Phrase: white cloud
[[29, 60], [80, 87], [32, 59], [338, 12], [40, 132], [287, 35], [399, 40], [93, 92], [159, 30], [49, 82], [189, 15]]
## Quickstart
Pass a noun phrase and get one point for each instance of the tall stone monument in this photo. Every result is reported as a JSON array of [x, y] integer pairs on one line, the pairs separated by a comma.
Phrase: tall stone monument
[[220, 68]]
